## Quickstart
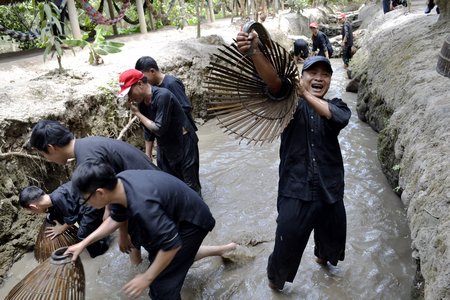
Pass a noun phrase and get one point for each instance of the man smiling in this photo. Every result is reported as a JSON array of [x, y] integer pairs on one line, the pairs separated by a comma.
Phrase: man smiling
[[311, 184]]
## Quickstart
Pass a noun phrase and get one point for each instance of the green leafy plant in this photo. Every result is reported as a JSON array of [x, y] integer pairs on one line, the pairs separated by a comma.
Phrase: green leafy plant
[[51, 31], [100, 46]]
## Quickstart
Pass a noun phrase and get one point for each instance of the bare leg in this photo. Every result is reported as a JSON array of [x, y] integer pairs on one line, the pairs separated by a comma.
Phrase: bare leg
[[135, 256], [205, 251]]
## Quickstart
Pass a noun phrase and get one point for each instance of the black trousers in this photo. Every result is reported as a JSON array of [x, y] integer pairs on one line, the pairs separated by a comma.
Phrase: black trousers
[[296, 220], [346, 54], [187, 167], [169, 282], [91, 219]]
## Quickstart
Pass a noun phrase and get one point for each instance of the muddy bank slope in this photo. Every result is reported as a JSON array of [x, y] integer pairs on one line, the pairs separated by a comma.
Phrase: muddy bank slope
[[403, 98]]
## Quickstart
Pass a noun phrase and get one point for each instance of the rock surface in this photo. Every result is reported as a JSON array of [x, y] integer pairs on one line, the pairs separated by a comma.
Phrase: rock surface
[[403, 98]]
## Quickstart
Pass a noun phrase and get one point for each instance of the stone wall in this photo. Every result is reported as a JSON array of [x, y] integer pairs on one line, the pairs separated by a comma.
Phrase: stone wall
[[403, 98]]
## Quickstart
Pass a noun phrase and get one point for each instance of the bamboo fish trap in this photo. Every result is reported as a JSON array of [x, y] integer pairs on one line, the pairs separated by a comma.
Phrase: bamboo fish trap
[[443, 64], [44, 246], [57, 278], [240, 99]]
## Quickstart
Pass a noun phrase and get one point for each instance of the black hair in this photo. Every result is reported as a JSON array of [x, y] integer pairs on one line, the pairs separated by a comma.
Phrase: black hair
[[145, 63], [48, 132], [90, 176], [29, 195]]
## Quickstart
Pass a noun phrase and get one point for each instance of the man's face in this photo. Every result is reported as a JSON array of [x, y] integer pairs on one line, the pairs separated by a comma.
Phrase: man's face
[[317, 79], [54, 154], [151, 76], [314, 30], [138, 92], [95, 199]]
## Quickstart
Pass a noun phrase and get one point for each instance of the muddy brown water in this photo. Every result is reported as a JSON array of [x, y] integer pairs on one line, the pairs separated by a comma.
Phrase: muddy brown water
[[240, 186]]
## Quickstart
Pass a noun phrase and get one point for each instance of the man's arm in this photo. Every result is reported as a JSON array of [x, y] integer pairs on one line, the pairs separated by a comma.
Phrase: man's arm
[[140, 282], [107, 227], [149, 148], [265, 70]]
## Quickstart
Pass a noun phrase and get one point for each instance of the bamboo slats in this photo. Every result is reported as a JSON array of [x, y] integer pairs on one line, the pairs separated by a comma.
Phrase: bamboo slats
[[45, 246], [443, 64], [240, 99], [54, 279]]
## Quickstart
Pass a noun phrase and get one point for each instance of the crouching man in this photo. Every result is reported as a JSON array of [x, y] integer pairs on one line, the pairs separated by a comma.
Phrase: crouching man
[[64, 210], [165, 216]]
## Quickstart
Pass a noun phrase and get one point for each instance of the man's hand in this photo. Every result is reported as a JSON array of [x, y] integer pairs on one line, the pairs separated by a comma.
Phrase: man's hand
[[136, 286], [246, 41], [133, 107], [300, 88], [75, 250], [54, 231]]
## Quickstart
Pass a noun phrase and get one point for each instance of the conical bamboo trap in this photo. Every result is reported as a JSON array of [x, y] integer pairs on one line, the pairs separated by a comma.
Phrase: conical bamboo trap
[[44, 246], [239, 98], [57, 278], [443, 64]]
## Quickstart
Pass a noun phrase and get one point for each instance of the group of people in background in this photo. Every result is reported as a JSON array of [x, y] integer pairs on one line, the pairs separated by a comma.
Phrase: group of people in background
[[117, 186], [321, 44], [160, 207]]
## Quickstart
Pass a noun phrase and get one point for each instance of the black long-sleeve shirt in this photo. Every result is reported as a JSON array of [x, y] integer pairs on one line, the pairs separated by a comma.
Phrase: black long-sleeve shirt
[[311, 166], [347, 33], [172, 122], [156, 204]]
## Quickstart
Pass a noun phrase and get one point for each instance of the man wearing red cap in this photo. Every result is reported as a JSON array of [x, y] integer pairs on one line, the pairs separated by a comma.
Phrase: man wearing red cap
[[311, 171], [164, 119], [347, 39], [320, 41]]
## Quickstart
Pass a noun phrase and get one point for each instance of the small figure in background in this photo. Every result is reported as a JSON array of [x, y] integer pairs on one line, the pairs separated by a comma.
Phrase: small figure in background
[[320, 41], [301, 51], [347, 39]]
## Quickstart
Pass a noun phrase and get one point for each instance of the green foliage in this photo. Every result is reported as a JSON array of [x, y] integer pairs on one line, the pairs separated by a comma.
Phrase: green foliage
[[50, 31], [298, 5], [100, 46], [19, 17]]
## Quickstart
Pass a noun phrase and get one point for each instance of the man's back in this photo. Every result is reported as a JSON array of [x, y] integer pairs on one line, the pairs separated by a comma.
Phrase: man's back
[[119, 154]]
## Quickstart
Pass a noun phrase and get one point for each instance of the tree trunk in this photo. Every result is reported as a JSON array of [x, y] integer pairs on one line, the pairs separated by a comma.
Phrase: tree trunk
[[197, 10], [211, 10], [183, 21]]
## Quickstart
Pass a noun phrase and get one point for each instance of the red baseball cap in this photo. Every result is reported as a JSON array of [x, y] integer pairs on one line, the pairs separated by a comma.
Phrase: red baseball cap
[[313, 25], [127, 79], [342, 16]]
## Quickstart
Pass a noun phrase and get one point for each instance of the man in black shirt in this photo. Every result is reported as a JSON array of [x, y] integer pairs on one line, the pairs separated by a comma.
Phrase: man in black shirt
[[311, 184], [347, 39], [164, 215], [64, 210], [57, 144], [320, 41], [164, 119], [301, 51], [148, 66]]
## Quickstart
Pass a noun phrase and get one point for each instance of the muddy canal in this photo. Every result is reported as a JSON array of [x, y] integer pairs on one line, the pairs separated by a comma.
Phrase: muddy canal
[[239, 184]]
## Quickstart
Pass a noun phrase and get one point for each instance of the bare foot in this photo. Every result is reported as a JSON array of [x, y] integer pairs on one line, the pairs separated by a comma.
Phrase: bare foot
[[227, 248]]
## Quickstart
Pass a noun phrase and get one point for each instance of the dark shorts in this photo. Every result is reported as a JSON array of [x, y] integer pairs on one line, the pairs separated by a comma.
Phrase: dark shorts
[[169, 282], [296, 220]]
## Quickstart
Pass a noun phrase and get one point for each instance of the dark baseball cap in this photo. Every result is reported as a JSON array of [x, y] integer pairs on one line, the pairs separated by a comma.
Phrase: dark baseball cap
[[312, 60]]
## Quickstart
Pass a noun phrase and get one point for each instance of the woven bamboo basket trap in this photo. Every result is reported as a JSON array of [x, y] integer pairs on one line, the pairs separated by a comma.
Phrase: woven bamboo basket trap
[[57, 278], [44, 246], [443, 64], [239, 98]]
